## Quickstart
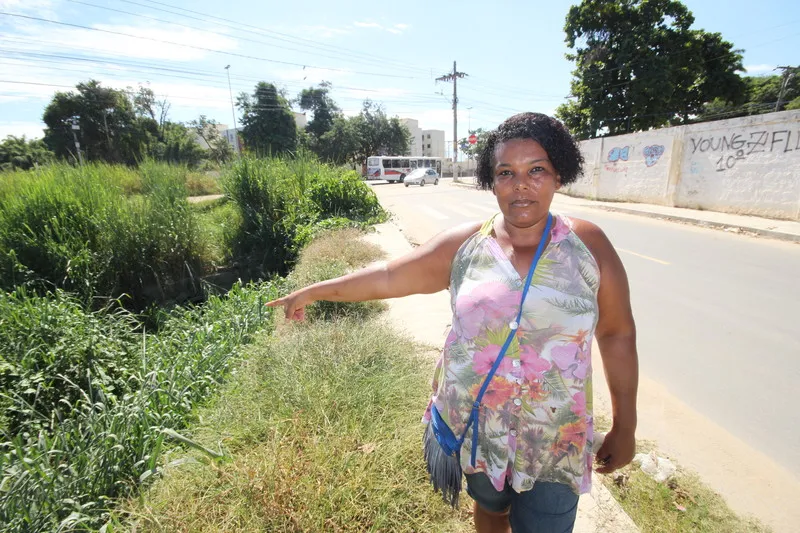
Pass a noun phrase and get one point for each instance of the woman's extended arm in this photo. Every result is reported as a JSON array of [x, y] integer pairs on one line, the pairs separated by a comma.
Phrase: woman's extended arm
[[425, 269]]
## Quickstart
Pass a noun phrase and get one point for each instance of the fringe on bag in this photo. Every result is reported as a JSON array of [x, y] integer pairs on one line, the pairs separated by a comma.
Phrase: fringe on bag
[[444, 470]]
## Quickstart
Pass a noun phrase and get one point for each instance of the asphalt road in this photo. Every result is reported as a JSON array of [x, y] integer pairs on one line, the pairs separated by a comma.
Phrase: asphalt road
[[717, 314]]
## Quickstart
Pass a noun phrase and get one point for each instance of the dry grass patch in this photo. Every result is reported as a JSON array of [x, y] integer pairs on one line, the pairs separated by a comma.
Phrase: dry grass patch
[[323, 429], [333, 254]]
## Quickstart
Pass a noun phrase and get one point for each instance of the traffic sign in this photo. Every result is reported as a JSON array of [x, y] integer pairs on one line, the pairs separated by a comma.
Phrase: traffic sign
[[473, 139]]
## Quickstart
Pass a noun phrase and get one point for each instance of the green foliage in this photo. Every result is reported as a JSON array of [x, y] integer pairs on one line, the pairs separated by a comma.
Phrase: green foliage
[[120, 127], [343, 194], [110, 129], [75, 229], [177, 146], [268, 126], [20, 153], [639, 65], [87, 440], [761, 96], [378, 134], [794, 104], [280, 201], [325, 110]]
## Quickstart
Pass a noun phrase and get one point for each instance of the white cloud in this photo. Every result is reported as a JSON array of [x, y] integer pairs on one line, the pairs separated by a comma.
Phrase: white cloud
[[323, 32], [41, 8], [31, 130], [754, 69], [150, 45], [360, 24], [397, 29]]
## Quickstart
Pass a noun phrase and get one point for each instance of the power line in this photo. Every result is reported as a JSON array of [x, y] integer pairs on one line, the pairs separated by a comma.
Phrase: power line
[[268, 33], [204, 30], [234, 54]]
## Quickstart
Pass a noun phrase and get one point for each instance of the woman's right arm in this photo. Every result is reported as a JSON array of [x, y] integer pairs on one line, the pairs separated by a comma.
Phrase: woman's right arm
[[424, 270]]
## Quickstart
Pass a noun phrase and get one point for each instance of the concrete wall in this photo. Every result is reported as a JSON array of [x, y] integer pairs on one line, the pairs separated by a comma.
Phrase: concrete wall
[[748, 165]]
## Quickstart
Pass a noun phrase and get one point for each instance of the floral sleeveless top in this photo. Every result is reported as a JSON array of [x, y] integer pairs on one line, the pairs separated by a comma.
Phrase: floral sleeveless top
[[535, 419]]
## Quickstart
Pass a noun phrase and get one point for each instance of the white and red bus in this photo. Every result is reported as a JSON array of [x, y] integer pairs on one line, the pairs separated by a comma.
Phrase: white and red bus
[[395, 167]]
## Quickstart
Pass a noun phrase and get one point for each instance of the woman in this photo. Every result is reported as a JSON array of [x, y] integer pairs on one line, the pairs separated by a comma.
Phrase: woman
[[534, 448]]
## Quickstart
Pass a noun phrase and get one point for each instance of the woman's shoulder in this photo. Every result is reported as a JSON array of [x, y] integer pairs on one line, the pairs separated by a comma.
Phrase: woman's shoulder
[[593, 238]]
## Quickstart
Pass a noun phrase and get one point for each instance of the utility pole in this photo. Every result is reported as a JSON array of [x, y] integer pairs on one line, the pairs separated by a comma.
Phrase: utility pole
[[788, 74], [233, 112], [453, 76], [76, 126]]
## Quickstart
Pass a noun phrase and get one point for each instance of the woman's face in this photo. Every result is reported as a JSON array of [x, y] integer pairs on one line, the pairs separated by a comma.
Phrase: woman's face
[[524, 181]]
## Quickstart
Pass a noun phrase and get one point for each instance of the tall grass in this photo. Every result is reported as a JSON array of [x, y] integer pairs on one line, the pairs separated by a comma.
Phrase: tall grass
[[81, 438], [282, 199], [77, 229]]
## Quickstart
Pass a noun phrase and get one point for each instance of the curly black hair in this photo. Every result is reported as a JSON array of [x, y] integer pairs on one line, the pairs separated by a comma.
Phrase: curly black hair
[[561, 147]]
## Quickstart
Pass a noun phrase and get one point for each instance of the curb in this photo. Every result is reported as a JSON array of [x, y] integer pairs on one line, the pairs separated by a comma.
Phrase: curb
[[703, 223]]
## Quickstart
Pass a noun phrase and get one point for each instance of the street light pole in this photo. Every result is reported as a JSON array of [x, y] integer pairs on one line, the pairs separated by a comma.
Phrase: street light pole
[[233, 112]]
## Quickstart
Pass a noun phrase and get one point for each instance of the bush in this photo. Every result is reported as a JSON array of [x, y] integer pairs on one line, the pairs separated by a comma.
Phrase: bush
[[86, 442], [75, 229], [282, 200]]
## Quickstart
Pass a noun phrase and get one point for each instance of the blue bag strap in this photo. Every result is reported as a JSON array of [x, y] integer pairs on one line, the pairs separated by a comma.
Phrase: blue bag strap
[[474, 415]]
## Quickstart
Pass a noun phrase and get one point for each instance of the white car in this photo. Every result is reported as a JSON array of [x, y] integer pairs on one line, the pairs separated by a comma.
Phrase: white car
[[422, 176]]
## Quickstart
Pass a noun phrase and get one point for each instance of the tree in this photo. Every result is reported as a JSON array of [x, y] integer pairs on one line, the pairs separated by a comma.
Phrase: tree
[[340, 144], [267, 120], [325, 110], [761, 96], [379, 135], [639, 65], [146, 105], [472, 150], [20, 153], [110, 129], [219, 149]]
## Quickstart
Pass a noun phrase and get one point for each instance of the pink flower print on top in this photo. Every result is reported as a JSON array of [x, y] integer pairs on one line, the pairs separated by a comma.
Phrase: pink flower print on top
[[488, 305], [571, 359], [483, 361], [532, 364], [579, 407], [560, 230]]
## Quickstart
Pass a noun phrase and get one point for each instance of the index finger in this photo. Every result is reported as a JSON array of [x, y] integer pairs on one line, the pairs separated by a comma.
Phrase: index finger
[[275, 303]]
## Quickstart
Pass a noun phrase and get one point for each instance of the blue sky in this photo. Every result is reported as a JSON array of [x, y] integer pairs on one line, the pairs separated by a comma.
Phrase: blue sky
[[512, 51]]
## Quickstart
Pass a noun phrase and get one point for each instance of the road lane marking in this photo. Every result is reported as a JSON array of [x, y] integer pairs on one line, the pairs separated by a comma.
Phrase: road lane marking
[[463, 211], [643, 256], [491, 210], [433, 212]]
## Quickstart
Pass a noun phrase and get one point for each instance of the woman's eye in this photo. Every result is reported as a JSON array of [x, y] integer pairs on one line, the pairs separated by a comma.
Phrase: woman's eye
[[537, 169]]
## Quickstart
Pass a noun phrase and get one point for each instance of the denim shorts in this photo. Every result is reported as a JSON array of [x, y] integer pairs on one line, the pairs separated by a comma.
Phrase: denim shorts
[[546, 508]]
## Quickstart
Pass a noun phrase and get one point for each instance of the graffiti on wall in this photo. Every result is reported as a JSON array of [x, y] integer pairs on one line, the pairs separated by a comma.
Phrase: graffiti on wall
[[617, 159], [618, 154], [735, 147], [652, 154]]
